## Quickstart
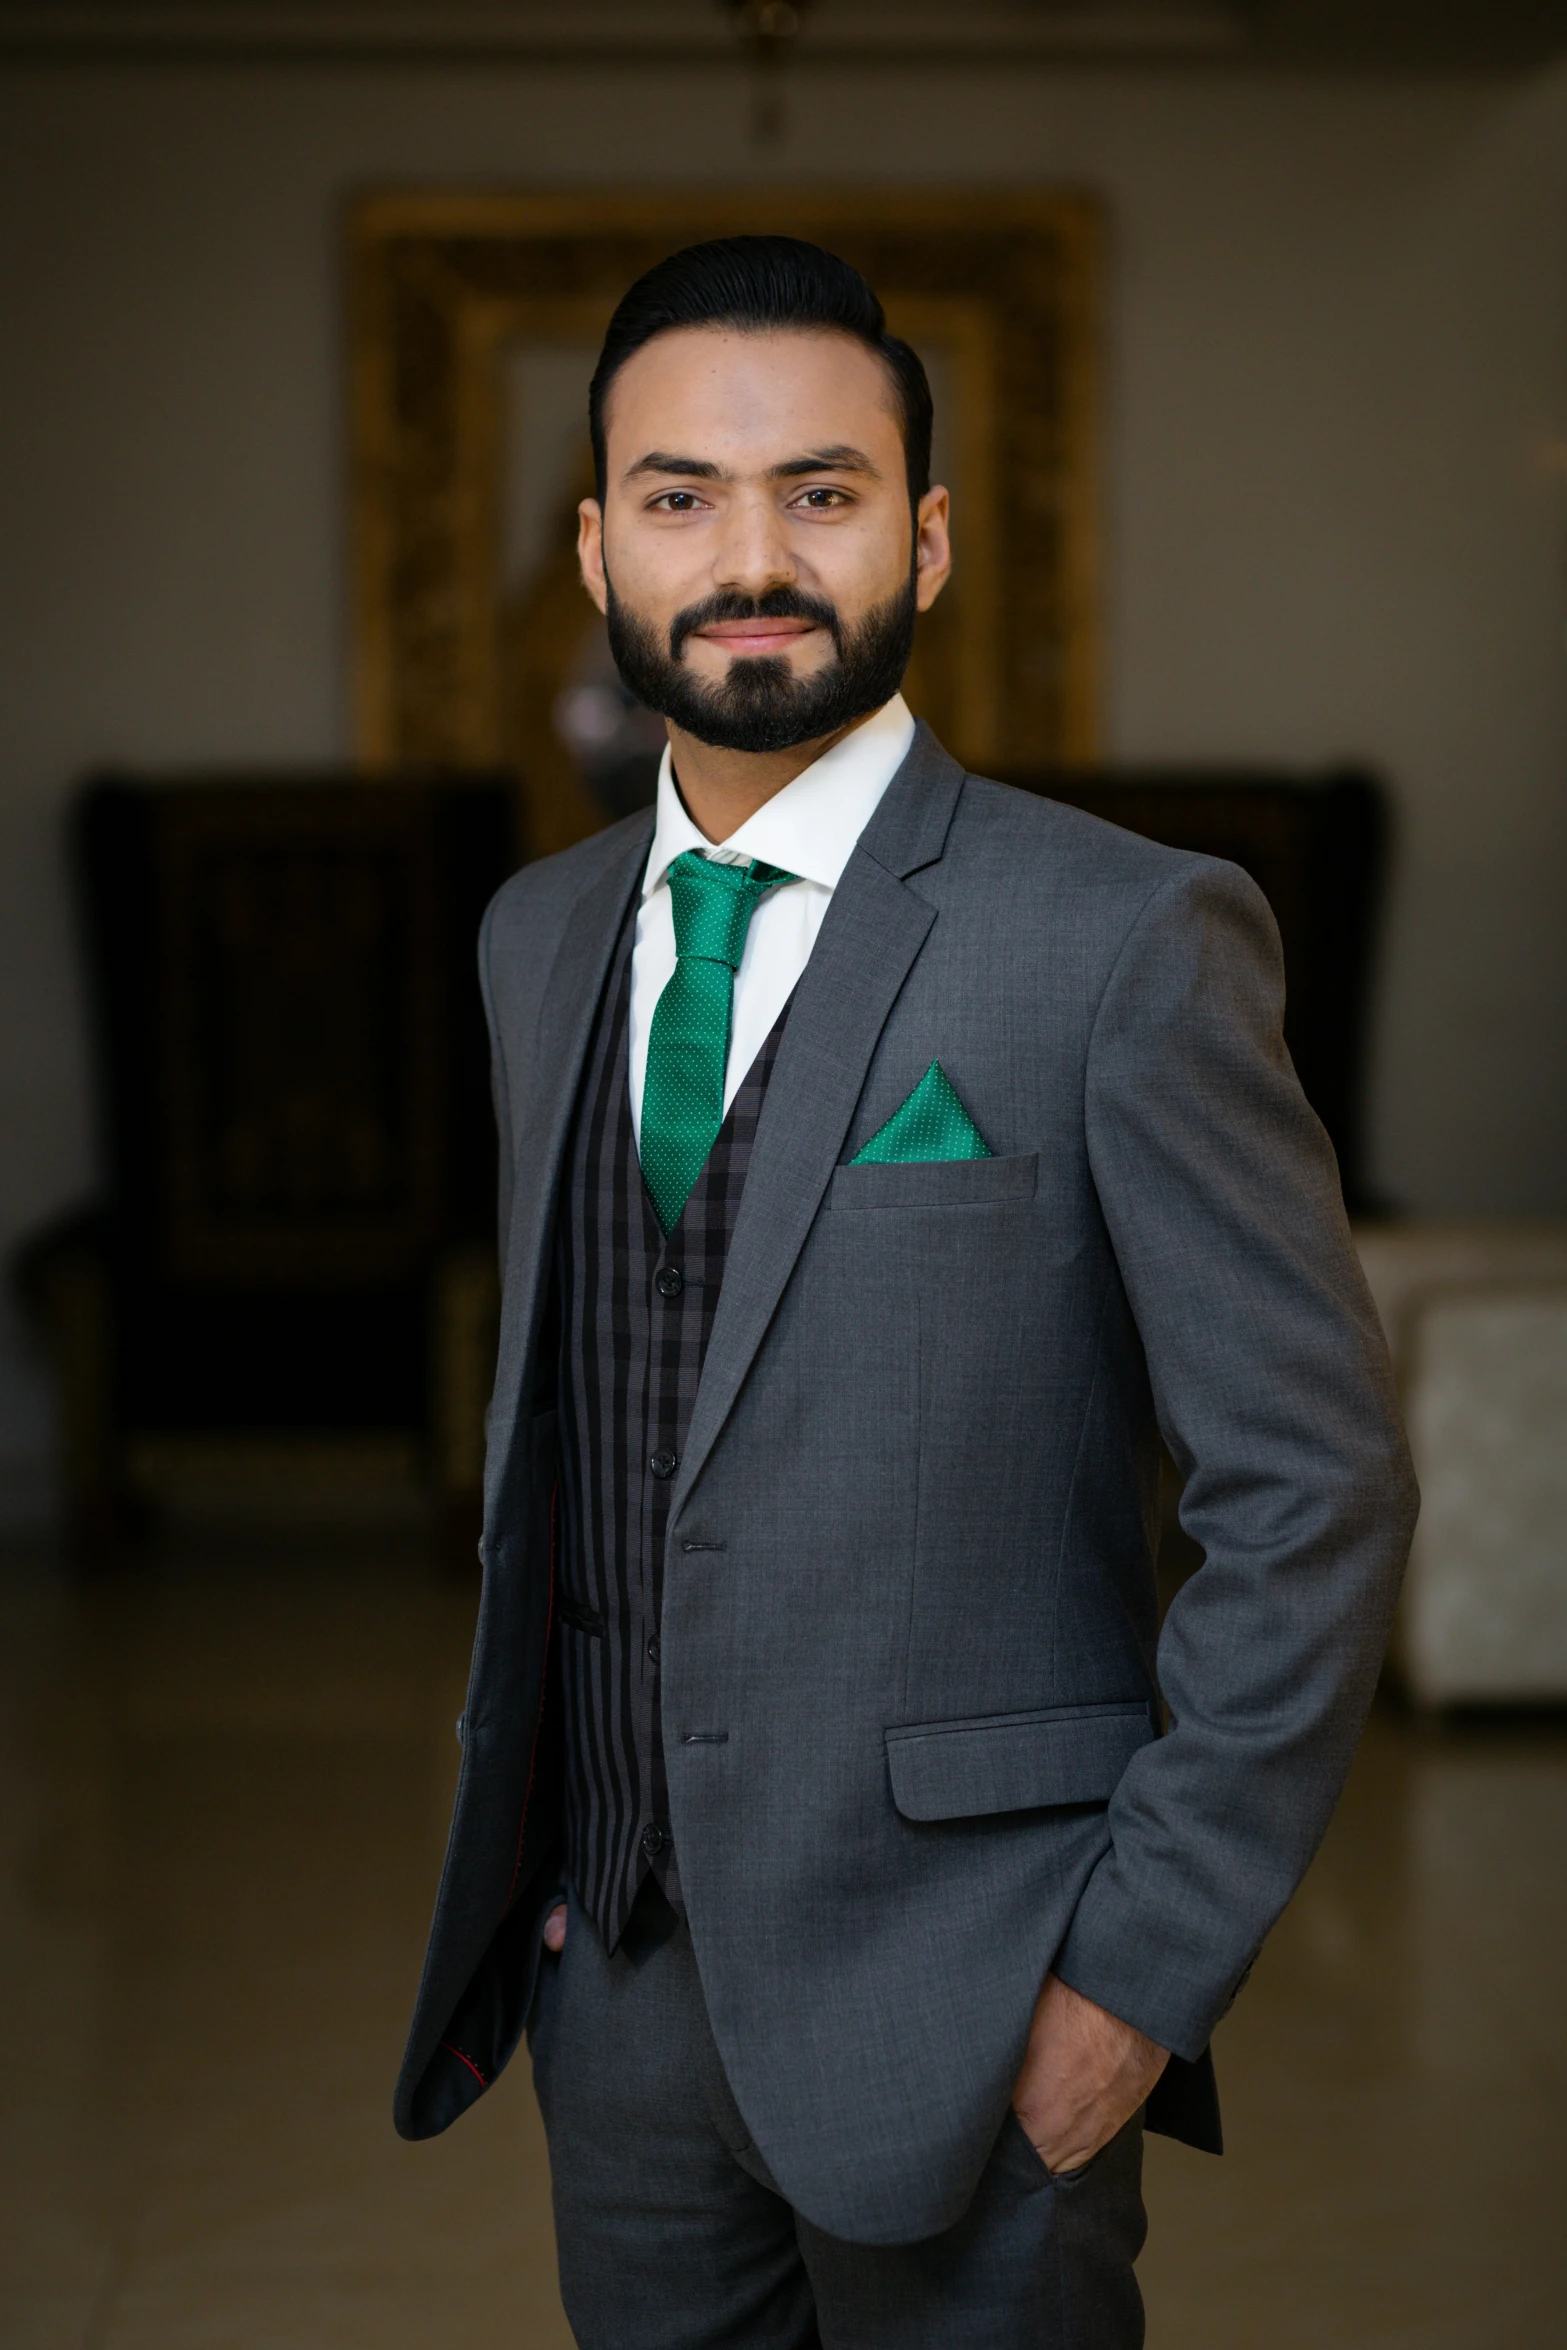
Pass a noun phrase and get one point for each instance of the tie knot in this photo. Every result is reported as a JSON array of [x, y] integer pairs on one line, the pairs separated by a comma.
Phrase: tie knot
[[713, 904]]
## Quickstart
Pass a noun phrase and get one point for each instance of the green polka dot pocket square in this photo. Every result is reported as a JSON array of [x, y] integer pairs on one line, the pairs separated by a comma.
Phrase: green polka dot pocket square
[[932, 1124]]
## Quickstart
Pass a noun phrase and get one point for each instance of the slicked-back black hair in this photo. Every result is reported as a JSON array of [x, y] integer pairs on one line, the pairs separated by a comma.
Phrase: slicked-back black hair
[[758, 283]]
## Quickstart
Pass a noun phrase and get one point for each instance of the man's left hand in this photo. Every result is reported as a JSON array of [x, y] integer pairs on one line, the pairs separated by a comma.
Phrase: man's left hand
[[1084, 2076]]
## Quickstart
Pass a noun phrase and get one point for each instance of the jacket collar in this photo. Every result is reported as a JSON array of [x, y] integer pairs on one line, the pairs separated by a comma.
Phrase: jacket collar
[[567, 1003], [909, 829], [873, 931]]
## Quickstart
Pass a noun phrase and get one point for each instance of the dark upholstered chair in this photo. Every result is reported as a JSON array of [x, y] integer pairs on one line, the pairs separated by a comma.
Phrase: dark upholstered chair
[[1318, 852], [296, 1236]]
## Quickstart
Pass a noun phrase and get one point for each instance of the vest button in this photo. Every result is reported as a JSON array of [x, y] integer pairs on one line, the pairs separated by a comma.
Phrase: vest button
[[653, 1650], [653, 1840], [664, 1463], [669, 1281]]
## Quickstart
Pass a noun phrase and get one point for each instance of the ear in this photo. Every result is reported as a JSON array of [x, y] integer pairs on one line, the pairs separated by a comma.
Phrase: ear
[[932, 548], [590, 550]]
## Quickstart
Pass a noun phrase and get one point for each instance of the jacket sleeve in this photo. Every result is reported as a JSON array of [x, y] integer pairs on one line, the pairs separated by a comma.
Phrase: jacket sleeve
[[1275, 1397]]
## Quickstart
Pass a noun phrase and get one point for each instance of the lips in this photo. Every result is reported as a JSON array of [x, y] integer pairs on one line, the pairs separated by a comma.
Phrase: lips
[[757, 636]]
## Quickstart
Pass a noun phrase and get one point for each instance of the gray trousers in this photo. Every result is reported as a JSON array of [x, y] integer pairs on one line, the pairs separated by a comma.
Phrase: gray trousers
[[672, 2236]]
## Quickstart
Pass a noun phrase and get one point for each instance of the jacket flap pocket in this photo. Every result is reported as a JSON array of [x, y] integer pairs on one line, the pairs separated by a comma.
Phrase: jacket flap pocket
[[1014, 1762], [935, 1183]]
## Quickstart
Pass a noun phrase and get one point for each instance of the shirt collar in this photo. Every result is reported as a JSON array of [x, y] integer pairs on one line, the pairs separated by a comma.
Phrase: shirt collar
[[809, 828]]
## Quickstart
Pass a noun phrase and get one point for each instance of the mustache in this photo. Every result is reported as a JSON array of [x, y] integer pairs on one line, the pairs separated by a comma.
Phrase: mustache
[[781, 603]]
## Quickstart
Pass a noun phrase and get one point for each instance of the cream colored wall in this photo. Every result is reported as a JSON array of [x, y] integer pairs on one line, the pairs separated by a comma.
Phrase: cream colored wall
[[1336, 477]]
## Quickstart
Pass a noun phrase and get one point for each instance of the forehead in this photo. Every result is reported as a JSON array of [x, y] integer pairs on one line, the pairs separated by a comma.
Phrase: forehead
[[716, 392]]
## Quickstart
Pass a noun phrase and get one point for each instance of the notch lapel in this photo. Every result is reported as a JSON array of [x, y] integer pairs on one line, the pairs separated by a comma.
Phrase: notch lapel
[[875, 927], [567, 1004]]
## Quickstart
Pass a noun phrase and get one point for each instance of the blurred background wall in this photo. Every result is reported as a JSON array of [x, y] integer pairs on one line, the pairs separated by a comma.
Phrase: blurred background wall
[[1335, 477]]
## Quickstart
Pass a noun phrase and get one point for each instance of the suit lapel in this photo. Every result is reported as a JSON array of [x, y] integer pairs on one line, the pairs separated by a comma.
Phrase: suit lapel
[[875, 927], [567, 1006]]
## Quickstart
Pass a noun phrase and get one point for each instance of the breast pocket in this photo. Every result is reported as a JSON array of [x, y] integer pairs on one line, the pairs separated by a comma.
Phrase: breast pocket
[[937, 1183]]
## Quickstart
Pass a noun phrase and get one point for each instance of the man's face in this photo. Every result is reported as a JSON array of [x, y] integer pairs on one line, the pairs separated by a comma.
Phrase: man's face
[[755, 552]]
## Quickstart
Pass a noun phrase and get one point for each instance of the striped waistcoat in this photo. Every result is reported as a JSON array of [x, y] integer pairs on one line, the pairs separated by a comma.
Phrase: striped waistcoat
[[636, 1315]]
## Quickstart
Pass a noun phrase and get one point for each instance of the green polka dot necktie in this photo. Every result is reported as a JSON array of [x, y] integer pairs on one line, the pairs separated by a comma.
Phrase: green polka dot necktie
[[688, 1041]]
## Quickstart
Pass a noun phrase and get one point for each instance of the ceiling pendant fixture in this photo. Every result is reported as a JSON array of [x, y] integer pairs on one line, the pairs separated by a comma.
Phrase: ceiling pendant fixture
[[768, 31]]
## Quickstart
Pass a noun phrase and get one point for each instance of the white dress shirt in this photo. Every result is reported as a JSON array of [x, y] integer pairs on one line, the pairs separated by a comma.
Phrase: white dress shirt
[[808, 828]]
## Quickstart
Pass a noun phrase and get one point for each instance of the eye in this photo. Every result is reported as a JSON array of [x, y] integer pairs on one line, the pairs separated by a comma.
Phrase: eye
[[676, 502], [821, 497]]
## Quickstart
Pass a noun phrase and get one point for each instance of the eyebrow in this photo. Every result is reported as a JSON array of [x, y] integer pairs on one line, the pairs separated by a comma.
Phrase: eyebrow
[[840, 458], [660, 461]]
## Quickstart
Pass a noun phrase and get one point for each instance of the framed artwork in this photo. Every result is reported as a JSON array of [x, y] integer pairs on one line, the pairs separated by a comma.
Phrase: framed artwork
[[476, 320]]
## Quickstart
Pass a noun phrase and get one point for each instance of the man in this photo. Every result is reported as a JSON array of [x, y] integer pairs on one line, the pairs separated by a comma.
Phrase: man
[[887, 1159]]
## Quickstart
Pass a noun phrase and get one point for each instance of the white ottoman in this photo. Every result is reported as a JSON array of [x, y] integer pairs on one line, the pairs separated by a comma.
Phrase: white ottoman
[[1485, 1606], [1476, 1315]]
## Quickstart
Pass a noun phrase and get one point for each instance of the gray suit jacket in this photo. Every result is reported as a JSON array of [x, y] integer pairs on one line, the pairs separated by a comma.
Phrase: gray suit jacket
[[910, 1560]]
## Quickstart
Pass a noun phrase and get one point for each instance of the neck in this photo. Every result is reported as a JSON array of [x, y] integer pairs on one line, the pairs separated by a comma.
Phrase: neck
[[722, 788]]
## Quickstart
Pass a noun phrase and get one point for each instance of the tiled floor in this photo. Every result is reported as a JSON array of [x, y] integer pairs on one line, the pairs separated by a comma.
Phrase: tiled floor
[[223, 1787]]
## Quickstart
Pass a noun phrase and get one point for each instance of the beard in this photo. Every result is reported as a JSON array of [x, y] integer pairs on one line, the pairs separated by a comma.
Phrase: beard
[[760, 705]]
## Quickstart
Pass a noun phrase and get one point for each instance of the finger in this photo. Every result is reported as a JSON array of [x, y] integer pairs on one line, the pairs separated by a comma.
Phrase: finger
[[1072, 2149], [1066, 2141], [555, 1928], [1063, 2154]]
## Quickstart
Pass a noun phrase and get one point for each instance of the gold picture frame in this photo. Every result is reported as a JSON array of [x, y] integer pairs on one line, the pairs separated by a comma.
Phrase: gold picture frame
[[462, 645]]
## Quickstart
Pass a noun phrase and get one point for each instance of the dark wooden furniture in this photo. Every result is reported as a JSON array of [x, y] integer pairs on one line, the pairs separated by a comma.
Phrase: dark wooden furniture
[[296, 1234], [1318, 852]]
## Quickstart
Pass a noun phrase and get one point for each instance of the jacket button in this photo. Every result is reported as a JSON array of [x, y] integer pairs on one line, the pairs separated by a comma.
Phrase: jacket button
[[664, 1463], [653, 1840], [669, 1281]]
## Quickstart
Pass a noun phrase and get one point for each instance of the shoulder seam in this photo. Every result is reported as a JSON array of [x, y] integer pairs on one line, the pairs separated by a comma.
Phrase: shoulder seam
[[1160, 888]]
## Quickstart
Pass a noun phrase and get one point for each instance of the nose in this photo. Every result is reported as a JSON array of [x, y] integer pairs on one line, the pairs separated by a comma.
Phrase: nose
[[753, 552]]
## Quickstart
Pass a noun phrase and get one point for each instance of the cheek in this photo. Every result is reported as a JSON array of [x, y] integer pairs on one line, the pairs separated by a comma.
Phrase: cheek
[[654, 571], [859, 564]]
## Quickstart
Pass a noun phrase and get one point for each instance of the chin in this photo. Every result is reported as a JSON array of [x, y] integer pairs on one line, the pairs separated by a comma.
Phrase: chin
[[801, 671]]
